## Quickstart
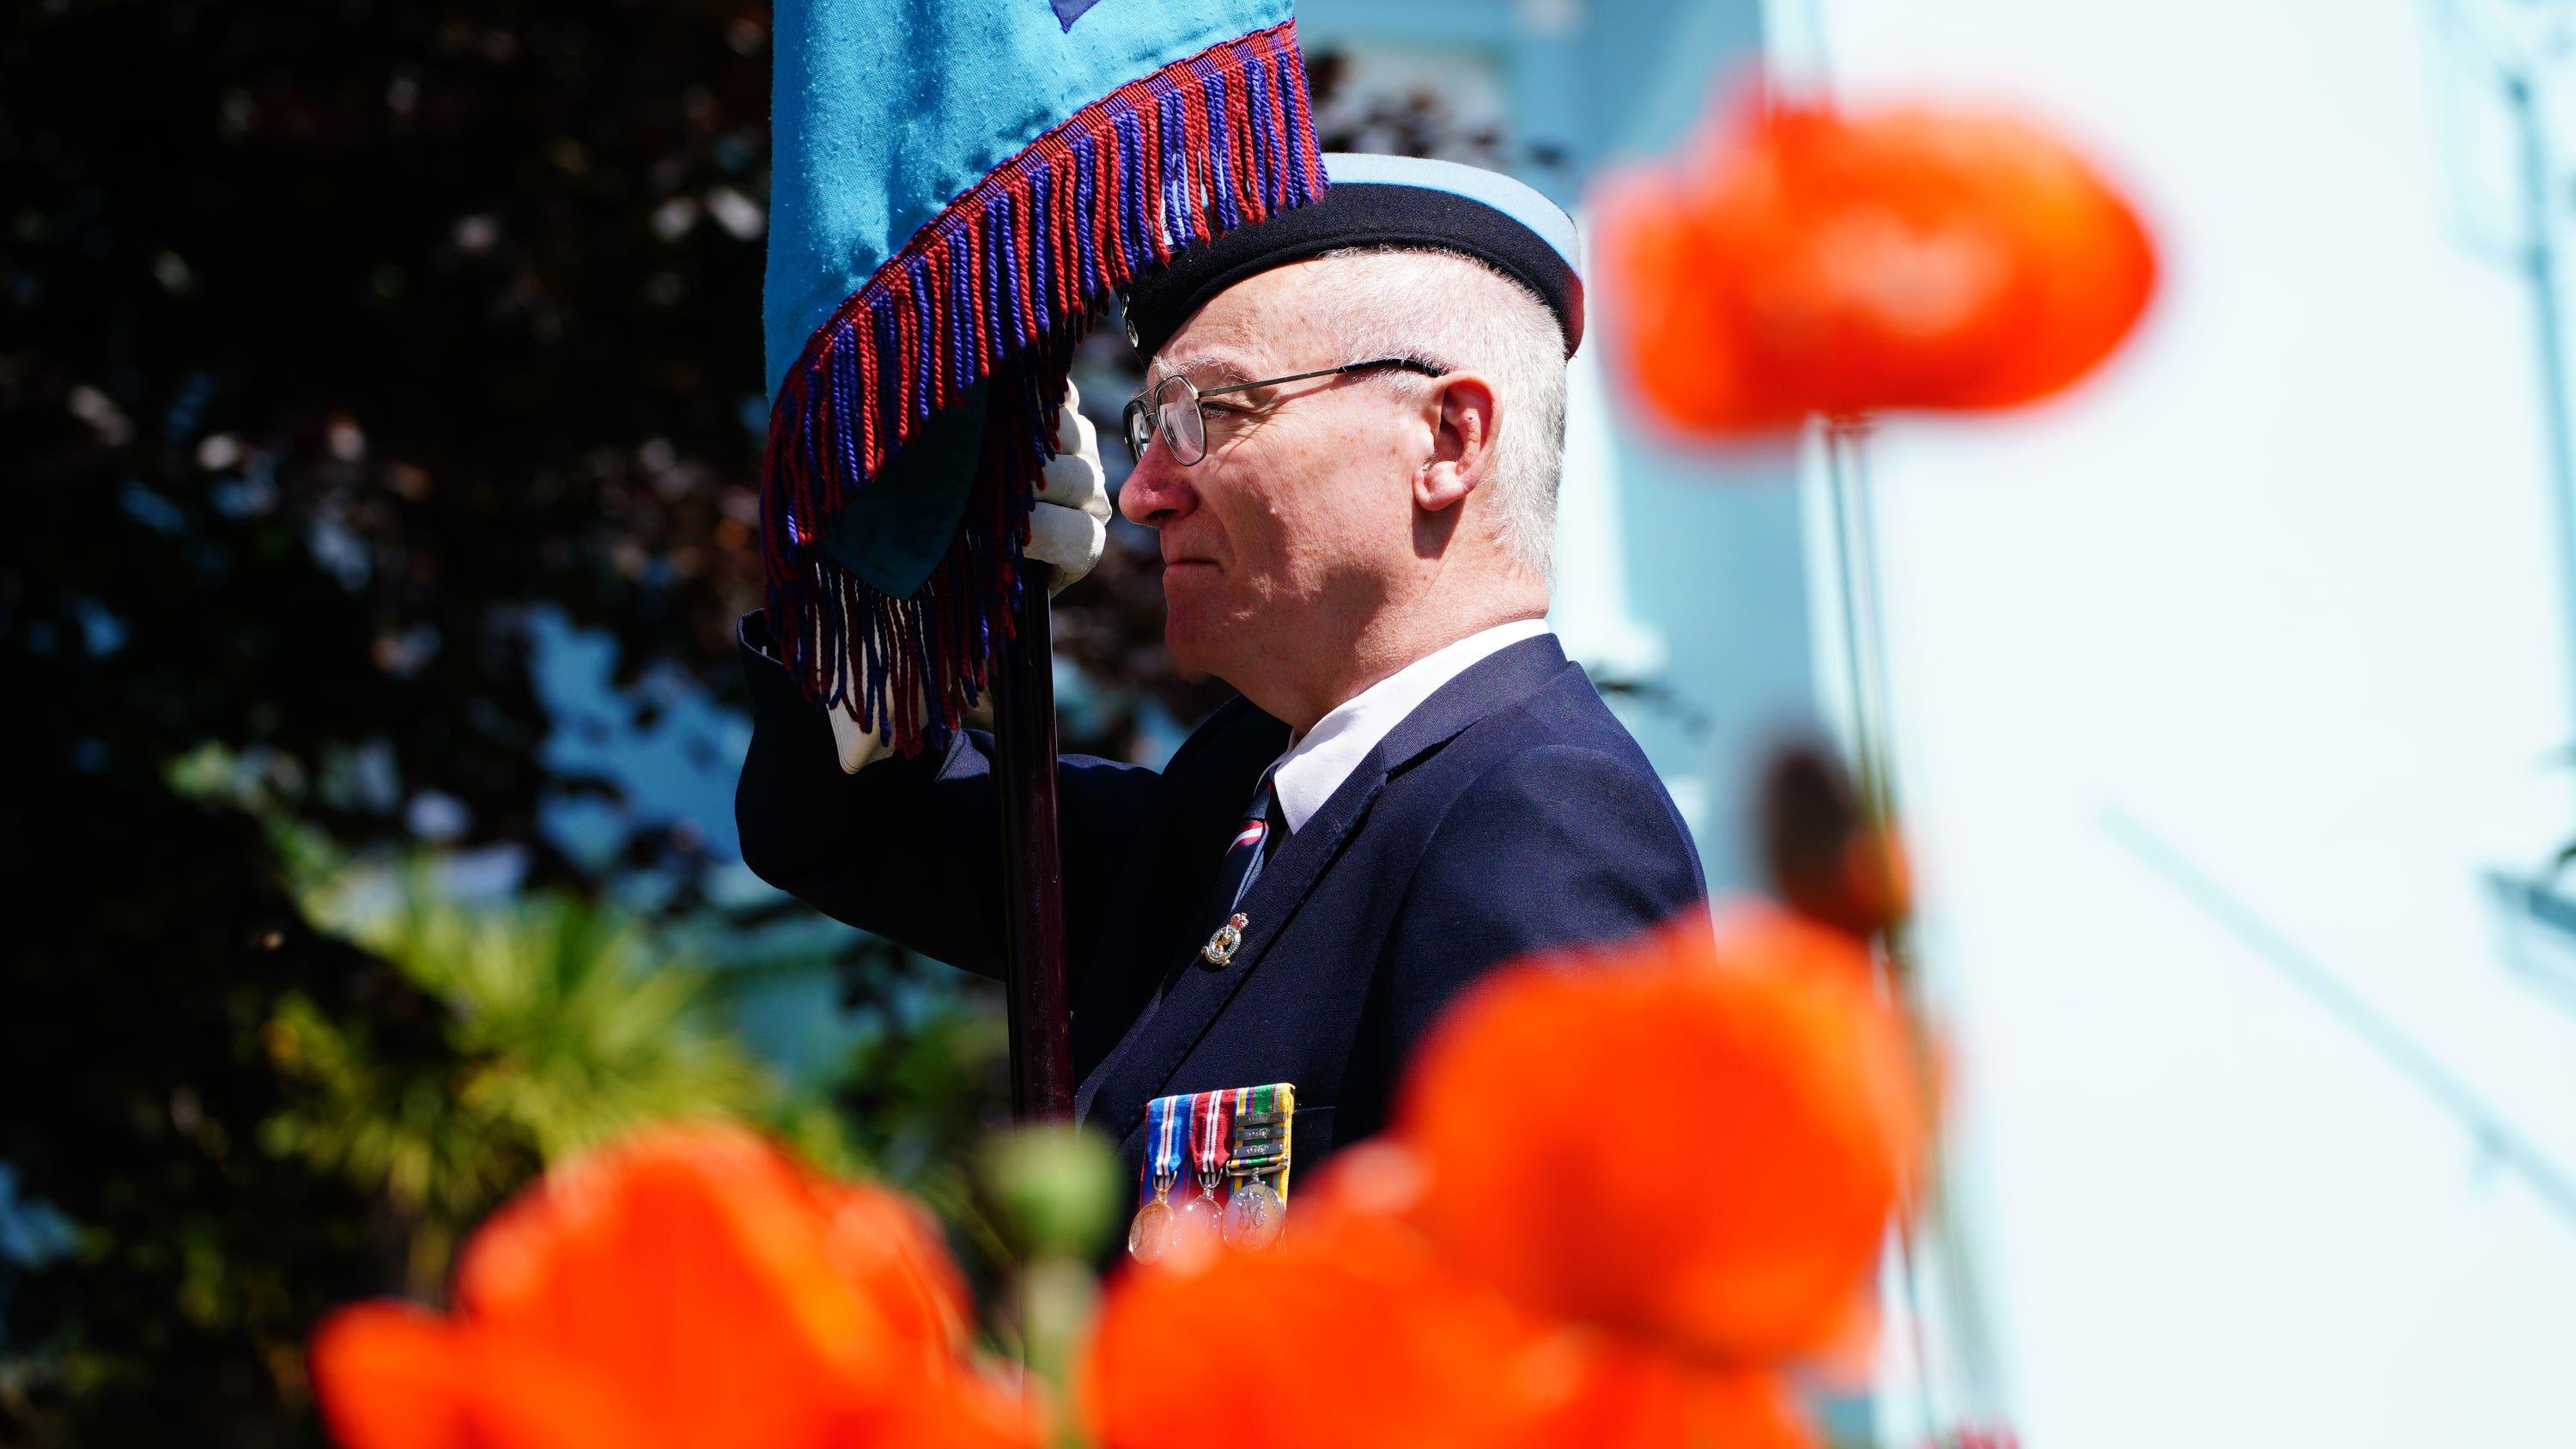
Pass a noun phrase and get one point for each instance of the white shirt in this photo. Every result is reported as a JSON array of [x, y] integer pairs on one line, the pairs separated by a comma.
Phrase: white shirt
[[1319, 761]]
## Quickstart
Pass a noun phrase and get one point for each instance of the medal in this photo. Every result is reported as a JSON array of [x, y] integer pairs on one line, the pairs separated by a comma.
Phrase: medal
[[1150, 1236], [1157, 1228], [1253, 1216], [1227, 1152], [1197, 1224], [1254, 1212], [1195, 1232]]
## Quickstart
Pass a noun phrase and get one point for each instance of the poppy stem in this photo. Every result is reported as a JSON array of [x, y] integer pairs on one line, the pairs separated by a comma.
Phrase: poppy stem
[[1924, 1209], [1864, 623]]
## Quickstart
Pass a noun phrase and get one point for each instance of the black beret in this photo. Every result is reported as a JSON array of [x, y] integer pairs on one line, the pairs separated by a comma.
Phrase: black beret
[[1376, 201]]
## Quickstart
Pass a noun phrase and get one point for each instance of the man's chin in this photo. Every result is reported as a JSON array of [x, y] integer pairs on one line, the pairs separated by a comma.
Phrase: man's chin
[[1197, 647], [1190, 658]]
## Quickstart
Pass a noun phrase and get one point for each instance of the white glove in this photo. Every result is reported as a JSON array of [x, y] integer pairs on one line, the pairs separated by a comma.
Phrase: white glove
[[1070, 525], [1067, 531]]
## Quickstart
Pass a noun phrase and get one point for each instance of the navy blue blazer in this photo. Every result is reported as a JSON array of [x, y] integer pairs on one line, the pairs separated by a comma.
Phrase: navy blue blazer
[[1508, 813]]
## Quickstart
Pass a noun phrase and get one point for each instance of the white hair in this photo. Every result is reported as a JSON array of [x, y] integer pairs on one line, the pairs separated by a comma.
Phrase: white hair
[[1462, 315]]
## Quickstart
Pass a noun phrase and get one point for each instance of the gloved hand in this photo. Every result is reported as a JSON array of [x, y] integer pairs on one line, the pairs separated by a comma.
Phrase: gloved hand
[[1067, 531], [1070, 526]]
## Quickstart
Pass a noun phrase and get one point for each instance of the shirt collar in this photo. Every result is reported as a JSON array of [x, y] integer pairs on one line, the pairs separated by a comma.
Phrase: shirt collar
[[1318, 762]]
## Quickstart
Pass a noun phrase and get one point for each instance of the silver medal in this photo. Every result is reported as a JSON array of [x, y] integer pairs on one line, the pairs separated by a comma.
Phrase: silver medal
[[1253, 1216], [1194, 1228]]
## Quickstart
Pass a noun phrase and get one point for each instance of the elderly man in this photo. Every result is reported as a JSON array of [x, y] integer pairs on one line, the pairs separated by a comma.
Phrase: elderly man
[[1349, 444]]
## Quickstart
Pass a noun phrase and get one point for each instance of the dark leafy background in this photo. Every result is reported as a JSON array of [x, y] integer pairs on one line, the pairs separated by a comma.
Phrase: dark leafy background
[[336, 343]]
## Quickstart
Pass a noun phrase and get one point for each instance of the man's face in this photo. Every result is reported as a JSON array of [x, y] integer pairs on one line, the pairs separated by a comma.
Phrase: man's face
[[1294, 520]]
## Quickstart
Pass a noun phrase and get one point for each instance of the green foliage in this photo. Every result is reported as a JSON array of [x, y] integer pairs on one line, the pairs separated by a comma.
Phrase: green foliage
[[565, 1030], [387, 1129], [928, 1077], [577, 1028], [925, 1081]]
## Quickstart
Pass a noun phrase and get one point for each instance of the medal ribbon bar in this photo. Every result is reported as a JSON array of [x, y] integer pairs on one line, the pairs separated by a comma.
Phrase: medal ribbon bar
[[1235, 1143]]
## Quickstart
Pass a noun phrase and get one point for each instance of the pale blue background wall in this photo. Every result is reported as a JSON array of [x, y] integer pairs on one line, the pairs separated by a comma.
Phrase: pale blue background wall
[[2278, 592]]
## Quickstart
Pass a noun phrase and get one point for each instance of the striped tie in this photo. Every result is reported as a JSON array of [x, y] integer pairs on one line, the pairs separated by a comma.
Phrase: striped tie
[[1252, 844]]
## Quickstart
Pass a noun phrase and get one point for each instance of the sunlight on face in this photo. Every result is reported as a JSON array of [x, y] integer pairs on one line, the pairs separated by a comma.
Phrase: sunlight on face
[[1301, 509]]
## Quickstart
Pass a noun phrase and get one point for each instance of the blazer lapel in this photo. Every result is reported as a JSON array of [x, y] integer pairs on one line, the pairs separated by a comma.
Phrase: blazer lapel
[[1155, 1046], [1143, 1064], [1498, 681]]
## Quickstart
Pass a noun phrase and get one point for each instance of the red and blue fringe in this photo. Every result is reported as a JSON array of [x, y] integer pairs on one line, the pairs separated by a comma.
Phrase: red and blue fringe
[[1001, 285]]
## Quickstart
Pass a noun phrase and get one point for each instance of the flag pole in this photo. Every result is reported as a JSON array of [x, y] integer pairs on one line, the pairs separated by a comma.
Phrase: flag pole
[[1032, 863]]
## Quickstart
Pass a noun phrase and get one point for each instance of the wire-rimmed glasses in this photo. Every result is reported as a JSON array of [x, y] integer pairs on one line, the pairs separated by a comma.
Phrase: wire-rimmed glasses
[[1172, 406]]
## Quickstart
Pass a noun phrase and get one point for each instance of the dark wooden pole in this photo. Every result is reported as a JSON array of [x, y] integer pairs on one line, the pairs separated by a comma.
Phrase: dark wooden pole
[[1032, 865]]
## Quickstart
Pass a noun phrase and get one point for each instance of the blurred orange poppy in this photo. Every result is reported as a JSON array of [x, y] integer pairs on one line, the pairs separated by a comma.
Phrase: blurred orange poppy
[[1695, 1139], [1353, 1334], [1624, 1395], [1813, 262], [693, 1288], [1638, 1399], [1336, 1338]]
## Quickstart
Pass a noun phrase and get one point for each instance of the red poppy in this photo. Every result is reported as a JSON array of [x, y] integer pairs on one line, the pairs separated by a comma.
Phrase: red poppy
[[1695, 1140], [1336, 1338], [1639, 1399], [1818, 263], [1353, 1333], [695, 1288], [1624, 1395]]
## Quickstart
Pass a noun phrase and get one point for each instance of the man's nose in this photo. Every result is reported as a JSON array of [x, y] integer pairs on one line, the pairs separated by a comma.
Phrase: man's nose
[[1157, 490]]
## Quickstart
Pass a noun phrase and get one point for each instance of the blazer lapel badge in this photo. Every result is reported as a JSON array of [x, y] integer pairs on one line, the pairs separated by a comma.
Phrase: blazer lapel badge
[[1221, 946]]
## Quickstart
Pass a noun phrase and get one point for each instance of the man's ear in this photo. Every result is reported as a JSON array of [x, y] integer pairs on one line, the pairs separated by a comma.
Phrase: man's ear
[[1463, 412]]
